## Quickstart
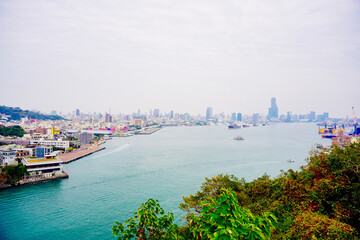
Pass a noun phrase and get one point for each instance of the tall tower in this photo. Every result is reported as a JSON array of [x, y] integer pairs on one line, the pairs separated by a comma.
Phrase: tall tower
[[209, 113], [273, 110]]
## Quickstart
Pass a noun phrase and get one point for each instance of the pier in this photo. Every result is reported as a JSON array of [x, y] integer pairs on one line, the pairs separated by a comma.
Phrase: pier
[[72, 156]]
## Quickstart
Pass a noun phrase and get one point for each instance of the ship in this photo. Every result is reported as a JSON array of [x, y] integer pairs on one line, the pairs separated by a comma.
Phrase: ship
[[233, 126], [239, 138]]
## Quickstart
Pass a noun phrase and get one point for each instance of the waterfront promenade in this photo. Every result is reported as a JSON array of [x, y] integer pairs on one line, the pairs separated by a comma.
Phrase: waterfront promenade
[[82, 152]]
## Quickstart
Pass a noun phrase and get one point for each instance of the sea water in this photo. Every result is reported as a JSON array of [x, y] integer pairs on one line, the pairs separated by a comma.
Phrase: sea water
[[110, 185]]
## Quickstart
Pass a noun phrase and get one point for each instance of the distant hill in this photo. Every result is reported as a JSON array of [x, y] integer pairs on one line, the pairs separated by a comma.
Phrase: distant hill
[[17, 113]]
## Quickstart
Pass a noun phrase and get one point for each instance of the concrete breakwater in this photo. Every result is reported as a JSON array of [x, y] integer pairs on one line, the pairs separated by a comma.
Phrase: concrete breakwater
[[147, 131], [72, 156]]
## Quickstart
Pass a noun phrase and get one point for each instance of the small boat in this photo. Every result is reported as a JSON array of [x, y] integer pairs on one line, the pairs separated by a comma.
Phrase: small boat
[[239, 138], [233, 126], [319, 146], [290, 161]]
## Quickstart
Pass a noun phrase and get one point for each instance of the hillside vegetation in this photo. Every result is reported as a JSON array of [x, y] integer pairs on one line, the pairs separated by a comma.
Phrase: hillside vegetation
[[12, 131], [320, 201], [17, 113]]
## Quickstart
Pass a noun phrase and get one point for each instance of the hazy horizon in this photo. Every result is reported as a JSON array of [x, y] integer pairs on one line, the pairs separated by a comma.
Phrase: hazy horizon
[[183, 56]]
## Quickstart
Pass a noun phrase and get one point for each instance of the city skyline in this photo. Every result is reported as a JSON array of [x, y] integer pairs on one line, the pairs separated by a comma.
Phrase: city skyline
[[181, 56]]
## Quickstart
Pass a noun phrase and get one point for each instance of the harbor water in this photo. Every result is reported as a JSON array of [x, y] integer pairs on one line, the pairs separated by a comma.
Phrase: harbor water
[[111, 184]]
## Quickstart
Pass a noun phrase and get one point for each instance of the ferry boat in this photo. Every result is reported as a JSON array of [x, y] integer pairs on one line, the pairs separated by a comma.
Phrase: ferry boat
[[239, 138]]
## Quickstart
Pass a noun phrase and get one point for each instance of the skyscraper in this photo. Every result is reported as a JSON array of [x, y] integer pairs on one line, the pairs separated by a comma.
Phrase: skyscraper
[[239, 117], [233, 116], [171, 114], [156, 112], [209, 113], [77, 112], [273, 110], [108, 118]]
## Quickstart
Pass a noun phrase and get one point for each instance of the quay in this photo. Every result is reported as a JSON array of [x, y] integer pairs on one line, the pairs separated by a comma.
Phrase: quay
[[147, 131], [72, 156]]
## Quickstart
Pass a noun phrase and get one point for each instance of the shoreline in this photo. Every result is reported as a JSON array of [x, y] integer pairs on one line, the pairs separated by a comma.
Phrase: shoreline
[[34, 180]]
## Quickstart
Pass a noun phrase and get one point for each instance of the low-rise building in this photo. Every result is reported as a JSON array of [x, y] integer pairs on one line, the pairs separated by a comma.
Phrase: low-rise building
[[56, 143], [7, 157], [47, 167], [85, 138], [41, 152]]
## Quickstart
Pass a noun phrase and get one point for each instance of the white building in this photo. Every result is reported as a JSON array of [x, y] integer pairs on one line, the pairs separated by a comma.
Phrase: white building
[[56, 143], [49, 166], [7, 157]]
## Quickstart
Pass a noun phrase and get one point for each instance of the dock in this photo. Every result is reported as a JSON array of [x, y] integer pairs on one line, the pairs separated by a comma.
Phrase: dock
[[72, 156], [147, 131]]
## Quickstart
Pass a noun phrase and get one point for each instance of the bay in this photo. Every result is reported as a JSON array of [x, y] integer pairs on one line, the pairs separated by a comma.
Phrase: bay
[[109, 185]]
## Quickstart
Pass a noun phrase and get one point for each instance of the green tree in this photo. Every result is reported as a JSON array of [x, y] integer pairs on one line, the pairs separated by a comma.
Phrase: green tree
[[149, 222], [223, 218]]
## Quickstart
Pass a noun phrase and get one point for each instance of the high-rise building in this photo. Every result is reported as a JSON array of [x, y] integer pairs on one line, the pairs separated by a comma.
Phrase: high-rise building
[[171, 114], [77, 112], [312, 116], [239, 117], [233, 116], [108, 117], [288, 116], [273, 110], [156, 112], [326, 116], [209, 113]]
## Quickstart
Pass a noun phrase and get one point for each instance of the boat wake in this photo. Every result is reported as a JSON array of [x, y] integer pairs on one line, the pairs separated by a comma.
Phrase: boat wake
[[123, 147]]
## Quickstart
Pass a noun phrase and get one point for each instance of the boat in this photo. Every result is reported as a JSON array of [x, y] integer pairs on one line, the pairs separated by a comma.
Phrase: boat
[[328, 136], [290, 161], [233, 126], [246, 125], [239, 138], [319, 146]]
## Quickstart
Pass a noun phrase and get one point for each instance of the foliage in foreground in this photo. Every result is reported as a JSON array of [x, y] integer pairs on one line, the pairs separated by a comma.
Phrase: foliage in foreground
[[224, 218], [149, 222], [321, 201], [12, 173]]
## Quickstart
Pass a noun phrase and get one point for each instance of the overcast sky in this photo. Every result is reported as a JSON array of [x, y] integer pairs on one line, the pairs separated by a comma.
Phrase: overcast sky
[[180, 55]]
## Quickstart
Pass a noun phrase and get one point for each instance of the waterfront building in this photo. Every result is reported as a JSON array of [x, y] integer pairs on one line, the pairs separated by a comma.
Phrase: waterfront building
[[326, 116], [288, 117], [7, 157], [273, 110], [209, 113], [239, 117], [48, 166], [233, 116], [85, 138], [312, 116], [255, 118]]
